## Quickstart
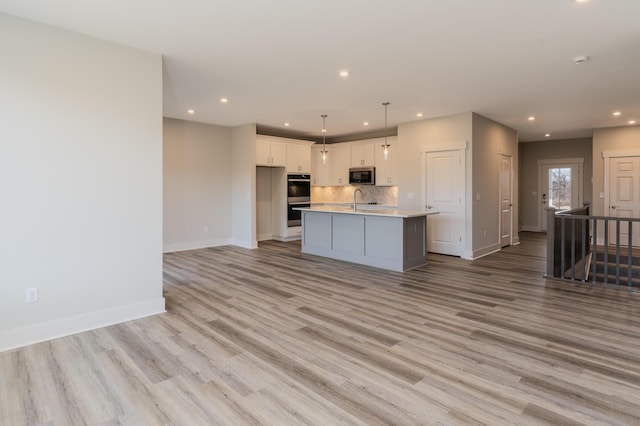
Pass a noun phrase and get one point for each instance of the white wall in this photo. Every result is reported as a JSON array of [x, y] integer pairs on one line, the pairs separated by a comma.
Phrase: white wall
[[197, 191], [80, 182], [412, 136], [243, 184], [264, 205], [609, 139], [490, 139]]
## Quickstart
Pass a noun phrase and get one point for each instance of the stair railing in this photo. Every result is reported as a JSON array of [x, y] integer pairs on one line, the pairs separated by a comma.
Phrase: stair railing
[[571, 248]]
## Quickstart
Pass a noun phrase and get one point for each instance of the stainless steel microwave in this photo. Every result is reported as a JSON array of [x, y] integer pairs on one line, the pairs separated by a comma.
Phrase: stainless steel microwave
[[362, 175]]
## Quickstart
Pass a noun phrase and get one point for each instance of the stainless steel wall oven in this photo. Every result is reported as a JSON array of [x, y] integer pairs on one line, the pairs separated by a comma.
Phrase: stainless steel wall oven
[[298, 195]]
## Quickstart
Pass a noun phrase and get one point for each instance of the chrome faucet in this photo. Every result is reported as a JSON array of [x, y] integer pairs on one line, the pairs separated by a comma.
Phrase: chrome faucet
[[355, 193]]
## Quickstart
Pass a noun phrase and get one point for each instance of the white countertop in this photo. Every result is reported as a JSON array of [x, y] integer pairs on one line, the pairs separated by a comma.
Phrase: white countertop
[[367, 211]]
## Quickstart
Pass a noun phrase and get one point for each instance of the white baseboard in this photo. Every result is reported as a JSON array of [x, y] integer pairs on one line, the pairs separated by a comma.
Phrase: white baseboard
[[36, 333], [194, 245], [485, 251], [289, 238], [245, 244], [530, 228]]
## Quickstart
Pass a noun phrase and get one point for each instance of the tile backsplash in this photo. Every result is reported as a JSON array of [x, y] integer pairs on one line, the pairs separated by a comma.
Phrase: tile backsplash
[[384, 195]]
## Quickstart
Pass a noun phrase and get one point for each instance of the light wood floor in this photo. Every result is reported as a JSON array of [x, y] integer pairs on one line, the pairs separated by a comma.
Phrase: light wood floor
[[271, 336]]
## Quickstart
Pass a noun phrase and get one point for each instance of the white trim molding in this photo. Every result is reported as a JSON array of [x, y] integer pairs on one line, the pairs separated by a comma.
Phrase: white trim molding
[[445, 146], [41, 332], [194, 245], [621, 153]]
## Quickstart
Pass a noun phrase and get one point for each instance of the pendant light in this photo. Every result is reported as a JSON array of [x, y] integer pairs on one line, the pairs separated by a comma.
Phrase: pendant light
[[385, 147], [324, 151]]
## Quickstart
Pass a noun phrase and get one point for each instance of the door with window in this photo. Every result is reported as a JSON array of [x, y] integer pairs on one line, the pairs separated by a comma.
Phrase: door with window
[[559, 186]]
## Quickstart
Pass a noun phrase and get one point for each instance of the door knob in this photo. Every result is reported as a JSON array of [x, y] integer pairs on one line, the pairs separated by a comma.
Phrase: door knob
[[429, 207], [614, 207]]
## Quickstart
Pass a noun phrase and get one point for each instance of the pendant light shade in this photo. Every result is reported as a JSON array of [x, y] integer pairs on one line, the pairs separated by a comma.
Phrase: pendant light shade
[[324, 151], [385, 147]]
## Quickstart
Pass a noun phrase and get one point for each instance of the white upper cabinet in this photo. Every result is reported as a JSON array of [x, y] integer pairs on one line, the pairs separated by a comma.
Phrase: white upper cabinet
[[299, 158], [339, 159], [386, 170], [362, 155], [319, 170], [270, 153]]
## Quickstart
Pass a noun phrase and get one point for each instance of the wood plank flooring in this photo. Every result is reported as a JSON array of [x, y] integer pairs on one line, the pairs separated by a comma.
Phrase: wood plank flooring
[[272, 336]]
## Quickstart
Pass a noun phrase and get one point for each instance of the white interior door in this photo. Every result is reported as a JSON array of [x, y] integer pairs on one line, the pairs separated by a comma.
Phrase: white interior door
[[624, 196], [506, 202], [444, 192], [560, 186]]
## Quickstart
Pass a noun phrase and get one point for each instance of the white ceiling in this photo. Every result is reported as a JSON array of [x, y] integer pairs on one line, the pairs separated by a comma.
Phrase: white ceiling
[[278, 61]]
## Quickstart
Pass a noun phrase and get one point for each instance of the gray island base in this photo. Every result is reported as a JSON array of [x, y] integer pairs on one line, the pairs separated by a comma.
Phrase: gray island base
[[388, 239]]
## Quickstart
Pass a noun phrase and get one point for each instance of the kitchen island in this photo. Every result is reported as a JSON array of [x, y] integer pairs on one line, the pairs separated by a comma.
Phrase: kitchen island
[[385, 238]]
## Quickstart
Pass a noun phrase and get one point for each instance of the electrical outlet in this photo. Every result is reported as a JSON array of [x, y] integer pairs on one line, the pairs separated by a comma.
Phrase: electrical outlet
[[484, 234], [32, 295], [205, 228]]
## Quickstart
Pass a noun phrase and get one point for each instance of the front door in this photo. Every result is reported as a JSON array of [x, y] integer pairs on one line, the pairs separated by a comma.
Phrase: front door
[[506, 203], [444, 192], [560, 187], [624, 197]]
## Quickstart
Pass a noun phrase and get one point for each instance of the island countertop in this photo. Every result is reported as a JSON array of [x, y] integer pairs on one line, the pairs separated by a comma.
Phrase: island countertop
[[367, 211]]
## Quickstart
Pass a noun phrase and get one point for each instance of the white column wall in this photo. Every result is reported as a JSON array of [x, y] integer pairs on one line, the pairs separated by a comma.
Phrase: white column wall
[[197, 189], [80, 182]]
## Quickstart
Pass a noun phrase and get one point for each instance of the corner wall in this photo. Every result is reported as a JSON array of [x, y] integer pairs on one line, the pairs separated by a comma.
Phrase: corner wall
[[81, 182], [490, 139], [197, 193]]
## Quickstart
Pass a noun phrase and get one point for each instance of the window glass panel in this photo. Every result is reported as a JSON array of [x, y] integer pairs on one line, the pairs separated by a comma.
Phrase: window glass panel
[[560, 188]]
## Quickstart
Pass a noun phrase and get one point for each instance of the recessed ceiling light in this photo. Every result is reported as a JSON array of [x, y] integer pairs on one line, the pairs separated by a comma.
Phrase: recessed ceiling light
[[632, 121], [581, 1], [531, 118], [366, 123], [344, 73], [546, 135], [419, 115], [224, 100], [287, 124], [616, 113], [190, 111]]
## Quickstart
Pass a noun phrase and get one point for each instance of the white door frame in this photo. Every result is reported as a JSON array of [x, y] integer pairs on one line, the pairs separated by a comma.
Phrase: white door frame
[[559, 161], [607, 156], [462, 146], [510, 157]]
